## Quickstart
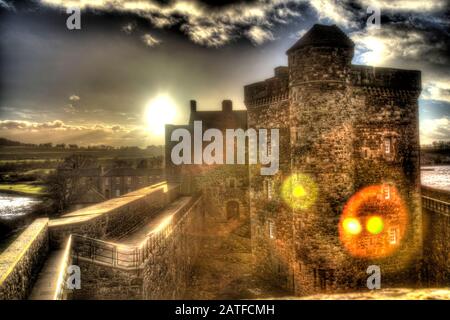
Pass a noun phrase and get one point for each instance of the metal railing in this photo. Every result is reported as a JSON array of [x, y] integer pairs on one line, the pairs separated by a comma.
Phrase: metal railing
[[435, 205], [125, 256]]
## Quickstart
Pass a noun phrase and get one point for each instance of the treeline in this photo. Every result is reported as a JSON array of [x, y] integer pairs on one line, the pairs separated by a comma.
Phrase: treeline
[[63, 146], [437, 153], [437, 146]]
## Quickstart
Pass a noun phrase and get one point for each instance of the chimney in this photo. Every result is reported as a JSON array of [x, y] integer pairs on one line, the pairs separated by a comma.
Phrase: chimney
[[227, 105], [193, 106]]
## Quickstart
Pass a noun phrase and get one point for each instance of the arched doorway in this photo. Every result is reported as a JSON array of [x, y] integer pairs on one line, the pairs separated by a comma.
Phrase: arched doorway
[[232, 210]]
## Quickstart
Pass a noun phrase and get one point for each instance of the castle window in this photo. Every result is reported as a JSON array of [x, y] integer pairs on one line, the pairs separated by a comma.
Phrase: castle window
[[117, 192], [386, 192], [117, 180], [128, 180], [294, 134], [271, 230], [232, 183], [387, 146], [140, 179], [106, 181], [268, 186], [393, 235], [298, 135]]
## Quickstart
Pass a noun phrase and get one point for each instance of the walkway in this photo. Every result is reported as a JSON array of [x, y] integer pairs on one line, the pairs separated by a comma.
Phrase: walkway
[[46, 282]]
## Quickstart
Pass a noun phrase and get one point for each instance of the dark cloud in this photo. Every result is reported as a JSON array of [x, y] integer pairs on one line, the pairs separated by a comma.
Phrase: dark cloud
[[206, 50]]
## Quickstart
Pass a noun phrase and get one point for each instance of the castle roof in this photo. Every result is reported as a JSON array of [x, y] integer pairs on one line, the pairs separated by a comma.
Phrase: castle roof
[[323, 36], [221, 119]]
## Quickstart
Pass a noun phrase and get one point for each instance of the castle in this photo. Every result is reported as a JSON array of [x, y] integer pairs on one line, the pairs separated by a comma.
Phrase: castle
[[346, 199], [345, 130]]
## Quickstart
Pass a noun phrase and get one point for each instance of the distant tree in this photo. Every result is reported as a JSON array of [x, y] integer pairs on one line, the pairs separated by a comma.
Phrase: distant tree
[[67, 185], [73, 146], [121, 163], [7, 142], [46, 145], [156, 162], [142, 164]]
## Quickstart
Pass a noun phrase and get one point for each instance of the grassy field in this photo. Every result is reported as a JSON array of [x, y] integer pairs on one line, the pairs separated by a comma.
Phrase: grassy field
[[22, 188], [40, 171]]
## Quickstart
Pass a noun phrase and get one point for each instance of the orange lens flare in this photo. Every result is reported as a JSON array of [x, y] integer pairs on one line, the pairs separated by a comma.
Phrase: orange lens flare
[[381, 210]]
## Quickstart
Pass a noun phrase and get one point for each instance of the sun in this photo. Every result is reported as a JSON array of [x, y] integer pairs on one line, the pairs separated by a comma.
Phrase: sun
[[161, 110]]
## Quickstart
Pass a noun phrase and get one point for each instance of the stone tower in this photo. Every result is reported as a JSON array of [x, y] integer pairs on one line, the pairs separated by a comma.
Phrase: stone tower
[[353, 152], [322, 135]]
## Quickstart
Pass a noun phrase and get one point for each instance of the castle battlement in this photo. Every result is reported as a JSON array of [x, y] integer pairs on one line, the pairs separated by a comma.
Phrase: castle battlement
[[390, 78], [271, 90]]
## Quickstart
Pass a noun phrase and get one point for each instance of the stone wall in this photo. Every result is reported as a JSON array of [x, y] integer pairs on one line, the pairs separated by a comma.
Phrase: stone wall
[[20, 262], [115, 217], [436, 226], [167, 273], [100, 282], [271, 220], [339, 117]]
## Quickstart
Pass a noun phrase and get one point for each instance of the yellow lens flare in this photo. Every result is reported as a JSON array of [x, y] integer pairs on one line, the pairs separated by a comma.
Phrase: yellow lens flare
[[299, 191], [375, 225], [352, 226]]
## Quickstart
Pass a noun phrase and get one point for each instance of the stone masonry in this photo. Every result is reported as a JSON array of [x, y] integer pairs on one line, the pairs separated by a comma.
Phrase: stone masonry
[[345, 127]]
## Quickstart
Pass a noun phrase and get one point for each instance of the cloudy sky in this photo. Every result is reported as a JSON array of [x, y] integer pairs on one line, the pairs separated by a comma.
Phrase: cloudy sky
[[94, 85]]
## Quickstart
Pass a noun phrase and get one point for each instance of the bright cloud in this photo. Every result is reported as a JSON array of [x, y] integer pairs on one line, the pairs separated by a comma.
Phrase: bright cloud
[[96, 133], [434, 130], [406, 5], [334, 11], [150, 41], [203, 25], [259, 35], [74, 98], [437, 90]]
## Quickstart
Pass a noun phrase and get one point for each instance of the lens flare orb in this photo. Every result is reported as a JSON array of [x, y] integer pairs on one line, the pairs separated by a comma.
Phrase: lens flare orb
[[352, 226], [375, 225], [382, 212], [299, 191]]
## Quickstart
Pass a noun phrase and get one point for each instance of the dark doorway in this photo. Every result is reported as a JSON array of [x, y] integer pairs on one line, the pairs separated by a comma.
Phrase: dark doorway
[[232, 210]]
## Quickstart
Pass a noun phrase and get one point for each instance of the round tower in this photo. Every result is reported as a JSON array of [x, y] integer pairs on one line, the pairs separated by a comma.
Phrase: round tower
[[322, 138]]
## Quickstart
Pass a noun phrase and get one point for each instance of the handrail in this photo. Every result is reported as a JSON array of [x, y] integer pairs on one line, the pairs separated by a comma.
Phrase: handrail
[[436, 205], [125, 256]]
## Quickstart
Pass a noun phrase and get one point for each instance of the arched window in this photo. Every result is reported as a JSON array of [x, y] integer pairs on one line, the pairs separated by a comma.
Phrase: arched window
[[232, 210]]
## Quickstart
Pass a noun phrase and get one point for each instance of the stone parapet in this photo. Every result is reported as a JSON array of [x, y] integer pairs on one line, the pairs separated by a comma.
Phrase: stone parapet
[[20, 262], [115, 217]]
